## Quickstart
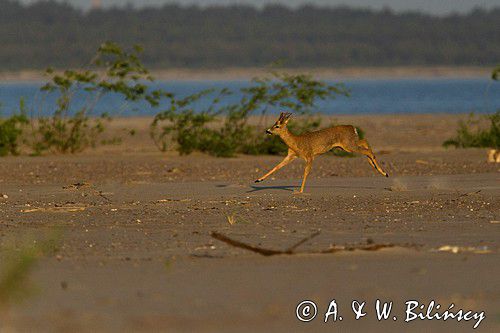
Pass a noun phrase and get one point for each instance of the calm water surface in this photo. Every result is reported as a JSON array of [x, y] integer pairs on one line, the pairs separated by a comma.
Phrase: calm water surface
[[397, 96]]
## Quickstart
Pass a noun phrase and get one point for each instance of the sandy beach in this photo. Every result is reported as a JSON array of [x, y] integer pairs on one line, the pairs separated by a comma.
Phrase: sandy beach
[[341, 73], [139, 247]]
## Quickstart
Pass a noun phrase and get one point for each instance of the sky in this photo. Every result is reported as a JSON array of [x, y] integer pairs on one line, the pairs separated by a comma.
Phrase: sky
[[436, 7]]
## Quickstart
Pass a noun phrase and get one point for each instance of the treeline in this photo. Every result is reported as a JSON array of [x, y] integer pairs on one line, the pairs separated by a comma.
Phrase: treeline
[[54, 34]]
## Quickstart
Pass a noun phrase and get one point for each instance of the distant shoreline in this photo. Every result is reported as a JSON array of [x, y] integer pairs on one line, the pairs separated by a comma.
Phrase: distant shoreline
[[234, 73]]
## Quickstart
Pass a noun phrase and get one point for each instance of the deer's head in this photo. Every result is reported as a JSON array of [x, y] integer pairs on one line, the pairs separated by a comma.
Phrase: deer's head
[[280, 125]]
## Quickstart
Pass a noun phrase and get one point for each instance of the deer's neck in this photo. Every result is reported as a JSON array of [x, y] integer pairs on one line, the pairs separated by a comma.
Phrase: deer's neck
[[289, 139]]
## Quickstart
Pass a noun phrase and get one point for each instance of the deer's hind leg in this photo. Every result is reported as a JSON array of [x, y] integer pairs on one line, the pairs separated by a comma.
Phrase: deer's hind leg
[[362, 147], [364, 144]]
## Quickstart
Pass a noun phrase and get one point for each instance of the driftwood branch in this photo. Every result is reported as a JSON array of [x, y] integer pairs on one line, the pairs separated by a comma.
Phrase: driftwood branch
[[291, 250], [235, 243]]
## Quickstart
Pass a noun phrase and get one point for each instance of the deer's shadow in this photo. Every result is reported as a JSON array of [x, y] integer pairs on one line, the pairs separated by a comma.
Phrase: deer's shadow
[[288, 188]]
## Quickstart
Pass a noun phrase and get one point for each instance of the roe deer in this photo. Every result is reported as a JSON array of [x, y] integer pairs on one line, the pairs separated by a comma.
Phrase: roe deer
[[308, 145]]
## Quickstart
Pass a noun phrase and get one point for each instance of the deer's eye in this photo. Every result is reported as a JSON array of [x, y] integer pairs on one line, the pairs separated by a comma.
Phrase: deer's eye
[[277, 126]]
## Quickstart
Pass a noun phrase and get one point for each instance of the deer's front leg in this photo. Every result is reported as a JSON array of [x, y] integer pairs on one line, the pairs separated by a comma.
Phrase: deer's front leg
[[306, 173], [290, 157]]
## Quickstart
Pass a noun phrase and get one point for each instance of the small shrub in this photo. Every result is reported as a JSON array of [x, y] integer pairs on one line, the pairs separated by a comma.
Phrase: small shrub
[[495, 73], [470, 134], [11, 130], [113, 70], [181, 124]]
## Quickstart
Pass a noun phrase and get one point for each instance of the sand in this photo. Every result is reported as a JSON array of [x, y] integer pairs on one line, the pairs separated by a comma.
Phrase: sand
[[136, 251], [226, 74]]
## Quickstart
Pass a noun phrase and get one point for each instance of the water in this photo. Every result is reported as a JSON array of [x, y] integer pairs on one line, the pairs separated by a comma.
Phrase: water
[[397, 96]]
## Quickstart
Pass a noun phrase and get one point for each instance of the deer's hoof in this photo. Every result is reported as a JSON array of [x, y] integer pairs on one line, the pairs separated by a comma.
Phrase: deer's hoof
[[259, 180], [387, 175]]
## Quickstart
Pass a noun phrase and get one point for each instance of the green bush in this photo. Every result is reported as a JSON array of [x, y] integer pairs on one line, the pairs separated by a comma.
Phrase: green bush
[[495, 73], [180, 123], [471, 134], [223, 130], [11, 130], [112, 70]]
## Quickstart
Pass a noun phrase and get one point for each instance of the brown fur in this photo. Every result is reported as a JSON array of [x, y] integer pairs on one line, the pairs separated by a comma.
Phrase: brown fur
[[309, 145]]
